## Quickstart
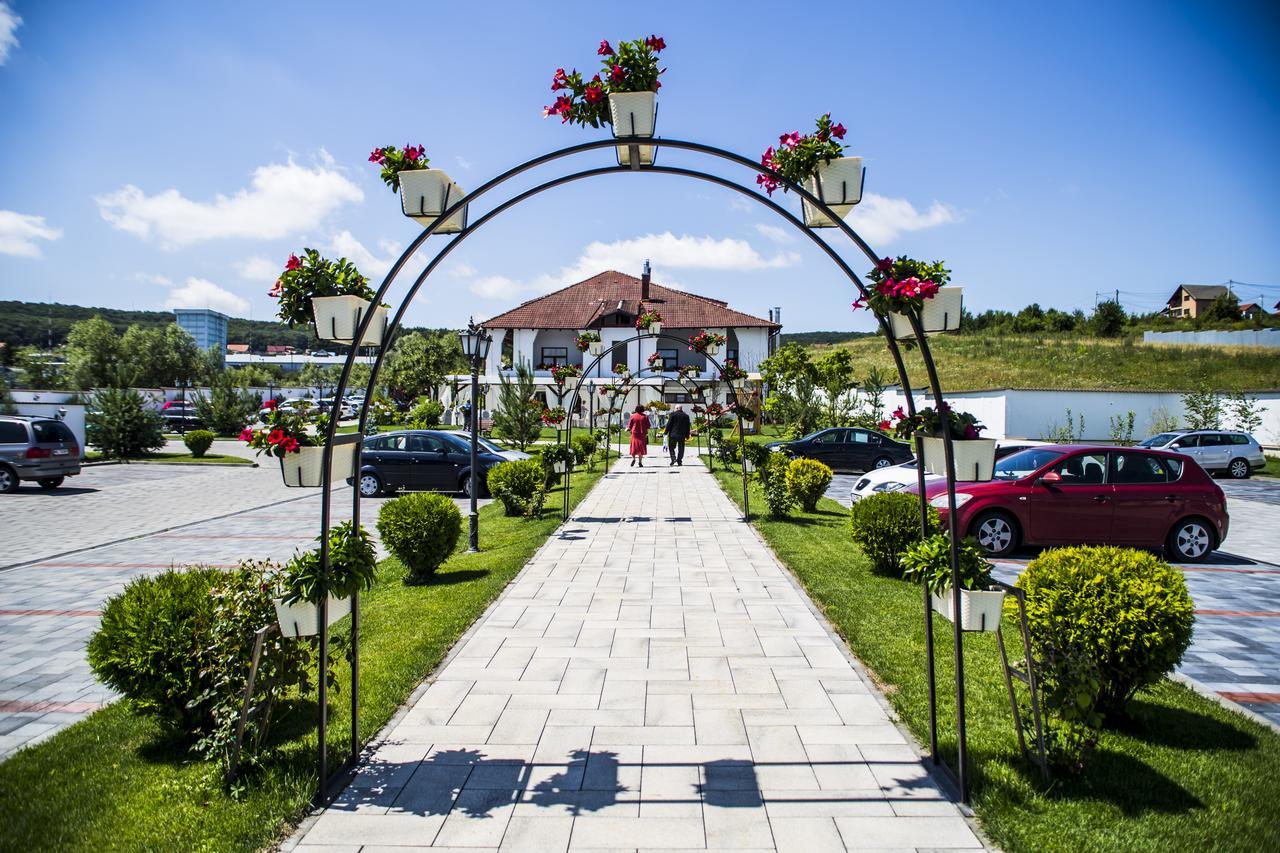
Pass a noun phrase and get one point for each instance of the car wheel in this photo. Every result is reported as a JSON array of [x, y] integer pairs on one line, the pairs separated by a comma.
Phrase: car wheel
[[1238, 469], [8, 480], [370, 485], [882, 462], [1191, 540], [465, 486], [996, 532], [51, 482]]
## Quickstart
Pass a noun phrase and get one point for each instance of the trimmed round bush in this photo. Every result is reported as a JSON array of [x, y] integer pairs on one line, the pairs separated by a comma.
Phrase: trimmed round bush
[[150, 646], [807, 480], [885, 524], [421, 530], [1128, 611], [516, 483], [198, 441], [425, 415], [584, 448]]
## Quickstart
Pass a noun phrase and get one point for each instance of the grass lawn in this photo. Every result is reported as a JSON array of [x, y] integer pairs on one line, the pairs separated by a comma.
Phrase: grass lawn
[[110, 783], [1272, 469], [207, 459], [1184, 774], [976, 362]]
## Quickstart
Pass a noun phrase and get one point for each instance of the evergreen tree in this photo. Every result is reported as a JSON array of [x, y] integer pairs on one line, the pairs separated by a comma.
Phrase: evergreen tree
[[518, 417]]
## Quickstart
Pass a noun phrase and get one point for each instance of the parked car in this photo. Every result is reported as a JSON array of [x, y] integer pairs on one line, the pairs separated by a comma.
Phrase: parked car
[[847, 449], [180, 416], [1087, 495], [39, 449], [421, 459], [1219, 451], [492, 447], [895, 478], [292, 404]]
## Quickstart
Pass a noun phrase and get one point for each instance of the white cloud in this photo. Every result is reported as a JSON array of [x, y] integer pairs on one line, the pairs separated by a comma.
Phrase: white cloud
[[879, 219], [153, 278], [667, 251], [9, 23], [740, 204], [346, 245], [497, 287], [464, 163], [201, 293], [464, 270], [20, 231], [282, 199], [774, 232], [258, 268]]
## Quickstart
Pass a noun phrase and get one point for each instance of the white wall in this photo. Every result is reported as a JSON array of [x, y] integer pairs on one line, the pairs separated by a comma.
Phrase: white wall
[[1237, 338], [753, 347], [72, 415]]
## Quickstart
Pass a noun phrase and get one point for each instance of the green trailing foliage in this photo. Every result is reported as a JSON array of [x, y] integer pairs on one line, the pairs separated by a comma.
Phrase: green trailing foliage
[[1128, 611], [807, 480], [421, 530], [928, 561], [519, 486], [885, 524], [353, 563], [198, 441]]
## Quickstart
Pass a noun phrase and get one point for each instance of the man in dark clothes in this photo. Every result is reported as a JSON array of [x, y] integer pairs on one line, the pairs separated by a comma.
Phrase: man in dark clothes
[[677, 432]]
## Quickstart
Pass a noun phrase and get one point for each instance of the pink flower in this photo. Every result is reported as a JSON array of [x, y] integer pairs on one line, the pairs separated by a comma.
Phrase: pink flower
[[413, 154], [656, 44], [790, 140], [885, 264], [970, 431], [246, 434], [605, 49], [290, 445], [377, 156], [838, 131], [859, 303], [559, 81], [899, 414], [277, 290]]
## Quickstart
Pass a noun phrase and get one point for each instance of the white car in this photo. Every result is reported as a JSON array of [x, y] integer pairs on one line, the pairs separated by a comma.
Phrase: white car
[[896, 478], [485, 445]]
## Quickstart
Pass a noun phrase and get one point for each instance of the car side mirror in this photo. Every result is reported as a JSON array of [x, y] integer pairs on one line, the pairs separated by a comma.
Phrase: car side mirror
[[1176, 445], [1050, 479]]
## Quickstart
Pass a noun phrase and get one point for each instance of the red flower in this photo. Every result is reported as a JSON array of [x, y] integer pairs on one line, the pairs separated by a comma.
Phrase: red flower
[[884, 264], [898, 414], [594, 93], [276, 436], [605, 49], [617, 74], [859, 303], [885, 426], [970, 431], [293, 263], [290, 445], [377, 156], [655, 43], [414, 154], [790, 140], [838, 131], [559, 81], [246, 434]]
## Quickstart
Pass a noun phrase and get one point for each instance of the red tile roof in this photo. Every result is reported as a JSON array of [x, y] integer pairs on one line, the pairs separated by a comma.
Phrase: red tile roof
[[582, 305]]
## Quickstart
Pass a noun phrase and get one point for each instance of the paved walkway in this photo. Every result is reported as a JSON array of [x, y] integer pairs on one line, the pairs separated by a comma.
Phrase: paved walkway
[[652, 679]]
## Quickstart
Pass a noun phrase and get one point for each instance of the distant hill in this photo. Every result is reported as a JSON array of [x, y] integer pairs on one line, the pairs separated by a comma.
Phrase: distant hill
[[33, 323], [808, 339]]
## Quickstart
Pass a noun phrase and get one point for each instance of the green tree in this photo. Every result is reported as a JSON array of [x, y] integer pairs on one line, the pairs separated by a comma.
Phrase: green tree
[[227, 408], [1203, 408], [834, 375], [1223, 309], [121, 424], [793, 398], [417, 363], [518, 417], [6, 399], [1245, 412], [318, 376], [40, 369], [158, 357], [93, 356], [1108, 319]]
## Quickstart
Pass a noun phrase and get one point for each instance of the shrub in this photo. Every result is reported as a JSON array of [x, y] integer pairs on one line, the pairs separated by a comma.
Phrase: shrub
[[727, 449], [549, 455], [517, 485], [353, 562], [584, 448], [150, 646], [773, 480], [1128, 610], [198, 441], [420, 529], [929, 562], [425, 415], [228, 407], [120, 425], [886, 524], [807, 480]]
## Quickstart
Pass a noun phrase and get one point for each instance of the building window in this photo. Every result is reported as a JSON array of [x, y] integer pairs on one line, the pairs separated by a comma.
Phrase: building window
[[731, 355], [552, 356], [669, 359]]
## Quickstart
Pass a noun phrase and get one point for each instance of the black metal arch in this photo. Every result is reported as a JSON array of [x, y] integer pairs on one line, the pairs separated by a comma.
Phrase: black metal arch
[[493, 183]]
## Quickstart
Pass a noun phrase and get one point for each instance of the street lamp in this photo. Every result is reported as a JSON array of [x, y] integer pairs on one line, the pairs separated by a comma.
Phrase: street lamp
[[475, 347]]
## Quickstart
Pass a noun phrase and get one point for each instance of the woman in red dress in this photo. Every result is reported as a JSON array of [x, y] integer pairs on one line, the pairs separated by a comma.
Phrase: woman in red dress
[[639, 426]]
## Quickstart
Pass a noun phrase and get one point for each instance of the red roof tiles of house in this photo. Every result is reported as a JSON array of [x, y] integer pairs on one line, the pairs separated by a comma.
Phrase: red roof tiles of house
[[583, 305]]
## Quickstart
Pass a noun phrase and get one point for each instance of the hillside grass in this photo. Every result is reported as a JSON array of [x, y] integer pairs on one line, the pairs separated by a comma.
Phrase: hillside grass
[[979, 362], [1183, 774]]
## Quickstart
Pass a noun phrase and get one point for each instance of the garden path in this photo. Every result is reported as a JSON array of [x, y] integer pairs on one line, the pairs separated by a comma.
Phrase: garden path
[[653, 678]]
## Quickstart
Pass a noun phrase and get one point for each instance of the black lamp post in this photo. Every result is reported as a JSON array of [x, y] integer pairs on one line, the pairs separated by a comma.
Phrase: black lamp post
[[475, 347]]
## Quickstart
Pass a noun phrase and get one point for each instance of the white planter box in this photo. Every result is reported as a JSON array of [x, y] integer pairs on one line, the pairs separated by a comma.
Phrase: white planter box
[[839, 185], [634, 114], [558, 467], [427, 193], [338, 317], [740, 384], [304, 468], [748, 466], [979, 609], [596, 349], [940, 314], [975, 458], [302, 618], [713, 350]]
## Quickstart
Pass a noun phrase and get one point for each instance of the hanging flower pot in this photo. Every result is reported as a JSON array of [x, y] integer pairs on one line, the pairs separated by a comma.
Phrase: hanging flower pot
[[707, 343], [838, 183], [980, 609], [634, 114], [748, 465], [427, 193], [305, 467], [939, 314], [338, 318], [713, 350], [302, 618], [649, 321], [596, 349], [975, 458], [559, 467]]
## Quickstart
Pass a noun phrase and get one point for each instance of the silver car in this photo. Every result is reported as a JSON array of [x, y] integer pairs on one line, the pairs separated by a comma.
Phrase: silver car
[[1219, 451], [40, 449]]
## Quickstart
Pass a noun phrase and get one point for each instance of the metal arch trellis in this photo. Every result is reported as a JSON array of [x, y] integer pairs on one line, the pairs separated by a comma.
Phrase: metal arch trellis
[[457, 207], [626, 343]]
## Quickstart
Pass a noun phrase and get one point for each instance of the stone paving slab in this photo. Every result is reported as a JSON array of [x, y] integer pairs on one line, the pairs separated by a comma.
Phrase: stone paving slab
[[652, 679]]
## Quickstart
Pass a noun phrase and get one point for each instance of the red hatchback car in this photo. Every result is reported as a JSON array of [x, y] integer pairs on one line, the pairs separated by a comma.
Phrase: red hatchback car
[[1088, 495]]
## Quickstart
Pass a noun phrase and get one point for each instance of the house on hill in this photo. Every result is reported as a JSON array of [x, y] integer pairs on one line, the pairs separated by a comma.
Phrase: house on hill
[[1189, 300], [1249, 310], [541, 333]]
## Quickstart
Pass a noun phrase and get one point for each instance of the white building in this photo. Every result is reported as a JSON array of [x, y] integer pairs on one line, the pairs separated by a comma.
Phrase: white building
[[541, 333]]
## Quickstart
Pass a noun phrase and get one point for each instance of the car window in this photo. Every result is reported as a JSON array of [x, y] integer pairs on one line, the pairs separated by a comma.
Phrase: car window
[[457, 444], [423, 443], [49, 431], [1188, 441], [1137, 468], [1082, 469], [1212, 439], [1019, 465], [1159, 440], [857, 436], [832, 436], [1175, 467], [1239, 438], [395, 442], [12, 432]]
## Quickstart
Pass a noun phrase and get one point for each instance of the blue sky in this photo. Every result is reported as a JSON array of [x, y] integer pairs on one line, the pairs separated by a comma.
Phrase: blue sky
[[157, 154]]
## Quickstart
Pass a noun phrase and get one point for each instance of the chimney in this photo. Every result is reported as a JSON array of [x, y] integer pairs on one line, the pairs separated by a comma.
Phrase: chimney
[[644, 282]]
